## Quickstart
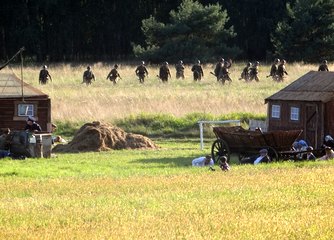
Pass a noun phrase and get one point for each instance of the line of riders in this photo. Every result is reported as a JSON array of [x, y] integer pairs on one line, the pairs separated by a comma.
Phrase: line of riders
[[221, 72]]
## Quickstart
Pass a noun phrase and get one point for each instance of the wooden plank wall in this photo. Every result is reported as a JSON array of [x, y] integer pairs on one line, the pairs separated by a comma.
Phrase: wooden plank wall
[[329, 118], [7, 112], [284, 123]]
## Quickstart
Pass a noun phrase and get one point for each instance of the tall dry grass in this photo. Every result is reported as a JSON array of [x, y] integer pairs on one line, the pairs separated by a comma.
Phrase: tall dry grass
[[73, 101]]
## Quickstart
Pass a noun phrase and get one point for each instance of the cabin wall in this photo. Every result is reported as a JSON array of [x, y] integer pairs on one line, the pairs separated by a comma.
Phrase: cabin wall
[[8, 119], [311, 119], [329, 119], [284, 122]]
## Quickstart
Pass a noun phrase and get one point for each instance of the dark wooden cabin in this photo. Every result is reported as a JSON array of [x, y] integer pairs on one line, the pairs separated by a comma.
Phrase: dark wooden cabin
[[307, 104], [19, 100]]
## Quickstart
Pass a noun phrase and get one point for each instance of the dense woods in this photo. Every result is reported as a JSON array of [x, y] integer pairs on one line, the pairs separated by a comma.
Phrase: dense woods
[[92, 30]]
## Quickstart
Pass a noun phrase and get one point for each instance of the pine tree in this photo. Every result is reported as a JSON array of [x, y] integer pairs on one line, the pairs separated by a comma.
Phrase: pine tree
[[307, 34], [194, 32]]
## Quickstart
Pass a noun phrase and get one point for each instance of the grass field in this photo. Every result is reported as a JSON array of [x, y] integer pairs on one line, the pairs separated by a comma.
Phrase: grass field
[[73, 101], [156, 194]]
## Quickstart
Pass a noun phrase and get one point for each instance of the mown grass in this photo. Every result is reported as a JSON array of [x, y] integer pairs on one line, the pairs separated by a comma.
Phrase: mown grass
[[156, 194]]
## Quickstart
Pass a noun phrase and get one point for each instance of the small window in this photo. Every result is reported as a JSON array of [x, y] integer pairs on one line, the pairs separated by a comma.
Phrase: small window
[[25, 110], [294, 113], [275, 111]]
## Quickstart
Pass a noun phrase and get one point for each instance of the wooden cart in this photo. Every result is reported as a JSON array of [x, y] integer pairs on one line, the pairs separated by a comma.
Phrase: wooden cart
[[246, 143]]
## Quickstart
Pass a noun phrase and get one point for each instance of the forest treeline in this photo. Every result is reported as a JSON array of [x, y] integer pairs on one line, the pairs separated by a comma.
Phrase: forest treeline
[[95, 30]]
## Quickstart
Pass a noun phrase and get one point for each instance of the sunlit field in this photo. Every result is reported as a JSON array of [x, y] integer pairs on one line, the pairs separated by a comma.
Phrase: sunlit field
[[73, 101], [156, 194]]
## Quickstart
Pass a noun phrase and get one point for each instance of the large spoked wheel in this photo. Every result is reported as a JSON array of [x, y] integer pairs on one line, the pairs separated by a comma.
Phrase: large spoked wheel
[[273, 154], [220, 148]]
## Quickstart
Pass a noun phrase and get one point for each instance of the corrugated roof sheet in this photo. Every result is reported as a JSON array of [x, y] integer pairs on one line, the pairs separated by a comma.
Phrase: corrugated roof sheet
[[11, 87], [313, 86]]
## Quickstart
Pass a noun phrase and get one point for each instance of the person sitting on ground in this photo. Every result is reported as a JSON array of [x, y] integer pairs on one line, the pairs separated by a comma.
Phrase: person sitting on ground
[[309, 153], [5, 143], [263, 157], [32, 126], [329, 154], [58, 138], [203, 161], [223, 164], [300, 146], [328, 141]]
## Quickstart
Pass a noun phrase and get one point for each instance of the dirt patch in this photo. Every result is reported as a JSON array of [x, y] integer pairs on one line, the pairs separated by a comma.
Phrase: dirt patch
[[97, 136]]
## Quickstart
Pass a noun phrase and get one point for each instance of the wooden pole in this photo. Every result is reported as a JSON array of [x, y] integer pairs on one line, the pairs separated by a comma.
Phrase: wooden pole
[[22, 76]]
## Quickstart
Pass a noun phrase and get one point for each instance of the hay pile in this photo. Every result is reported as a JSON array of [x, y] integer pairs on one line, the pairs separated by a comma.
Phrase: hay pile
[[97, 136]]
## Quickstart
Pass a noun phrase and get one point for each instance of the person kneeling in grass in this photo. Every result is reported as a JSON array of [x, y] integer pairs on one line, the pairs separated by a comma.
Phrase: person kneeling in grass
[[261, 158], [329, 154], [224, 166]]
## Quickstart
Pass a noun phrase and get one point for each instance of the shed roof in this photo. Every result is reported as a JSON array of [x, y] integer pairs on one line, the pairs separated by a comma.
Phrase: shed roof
[[11, 87], [313, 86]]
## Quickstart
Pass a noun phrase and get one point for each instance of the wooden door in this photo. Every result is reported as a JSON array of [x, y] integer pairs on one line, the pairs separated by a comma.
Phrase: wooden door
[[311, 124]]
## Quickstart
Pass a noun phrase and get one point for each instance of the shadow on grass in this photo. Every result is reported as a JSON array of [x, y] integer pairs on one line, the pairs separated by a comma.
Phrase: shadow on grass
[[166, 162]]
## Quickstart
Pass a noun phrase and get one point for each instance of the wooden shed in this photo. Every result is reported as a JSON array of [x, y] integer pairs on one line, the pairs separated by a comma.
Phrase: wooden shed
[[19, 100], [307, 104]]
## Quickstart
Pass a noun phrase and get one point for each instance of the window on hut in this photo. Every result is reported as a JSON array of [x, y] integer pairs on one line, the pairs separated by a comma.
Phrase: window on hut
[[25, 110], [294, 113], [275, 111]]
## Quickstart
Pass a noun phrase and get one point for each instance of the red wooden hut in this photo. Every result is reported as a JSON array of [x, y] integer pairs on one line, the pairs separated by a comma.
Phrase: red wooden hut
[[19, 100], [307, 104]]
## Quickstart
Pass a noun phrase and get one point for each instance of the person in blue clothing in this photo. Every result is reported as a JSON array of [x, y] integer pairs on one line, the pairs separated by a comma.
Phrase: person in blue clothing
[[300, 146], [32, 126], [5, 143]]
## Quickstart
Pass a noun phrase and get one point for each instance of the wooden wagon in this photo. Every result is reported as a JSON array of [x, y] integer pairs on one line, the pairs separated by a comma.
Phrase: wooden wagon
[[246, 142]]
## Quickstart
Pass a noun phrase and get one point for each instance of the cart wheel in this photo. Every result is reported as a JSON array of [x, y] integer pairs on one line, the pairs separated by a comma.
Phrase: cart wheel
[[273, 154], [220, 148]]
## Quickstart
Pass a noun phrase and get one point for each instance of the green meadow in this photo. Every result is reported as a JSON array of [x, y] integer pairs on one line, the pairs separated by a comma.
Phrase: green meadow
[[157, 194]]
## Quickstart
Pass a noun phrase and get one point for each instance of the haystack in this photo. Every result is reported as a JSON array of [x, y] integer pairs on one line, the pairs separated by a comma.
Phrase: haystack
[[97, 136]]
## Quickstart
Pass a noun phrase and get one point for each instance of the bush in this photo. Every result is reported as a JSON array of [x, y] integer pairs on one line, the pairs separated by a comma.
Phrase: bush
[[164, 125]]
